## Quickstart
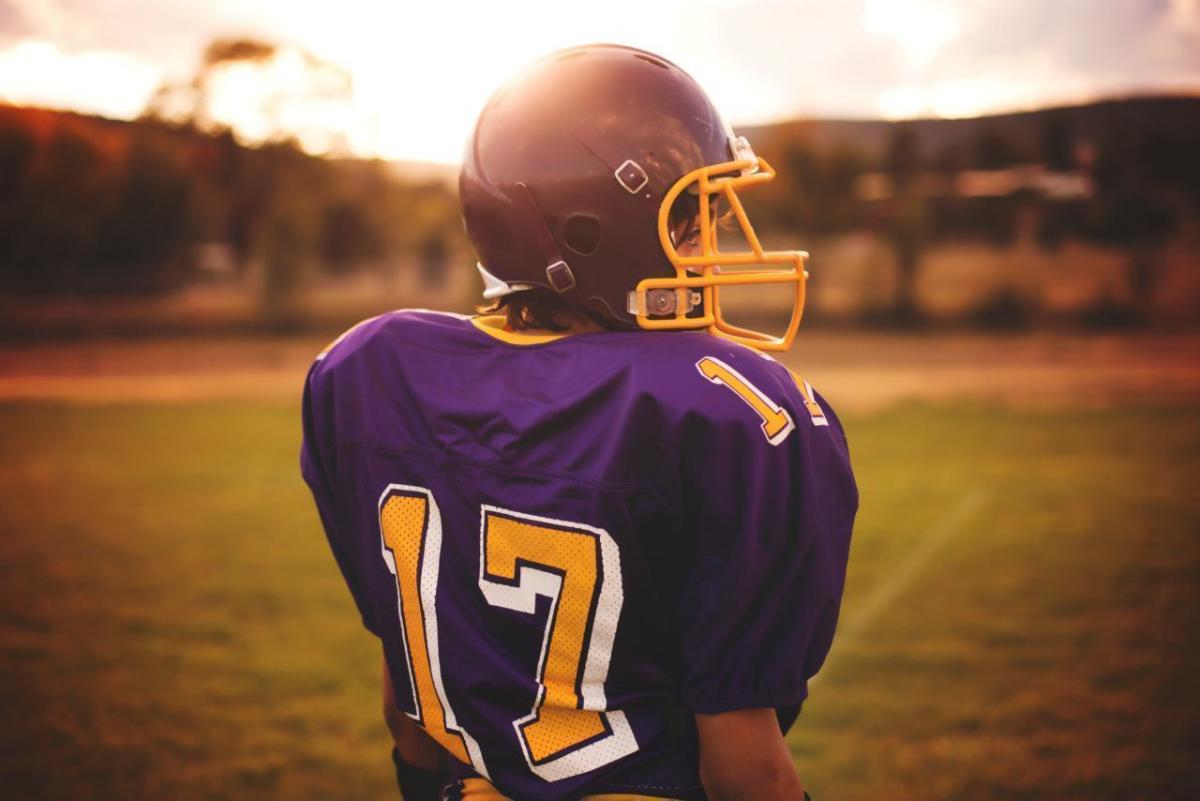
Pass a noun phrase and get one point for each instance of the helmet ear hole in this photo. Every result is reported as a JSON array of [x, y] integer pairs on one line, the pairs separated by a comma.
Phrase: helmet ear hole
[[581, 234]]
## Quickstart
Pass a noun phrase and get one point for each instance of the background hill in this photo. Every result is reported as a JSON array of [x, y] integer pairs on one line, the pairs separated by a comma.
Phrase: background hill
[[1101, 198], [1034, 135]]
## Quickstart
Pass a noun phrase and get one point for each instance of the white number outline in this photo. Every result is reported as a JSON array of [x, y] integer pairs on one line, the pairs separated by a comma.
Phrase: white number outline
[[620, 741], [775, 408], [427, 575], [522, 597]]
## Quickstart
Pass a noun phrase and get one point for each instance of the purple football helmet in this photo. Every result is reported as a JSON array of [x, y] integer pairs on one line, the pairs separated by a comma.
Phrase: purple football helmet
[[568, 181]]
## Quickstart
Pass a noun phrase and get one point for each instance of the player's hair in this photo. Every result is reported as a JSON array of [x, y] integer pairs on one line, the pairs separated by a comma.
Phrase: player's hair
[[547, 310], [532, 308]]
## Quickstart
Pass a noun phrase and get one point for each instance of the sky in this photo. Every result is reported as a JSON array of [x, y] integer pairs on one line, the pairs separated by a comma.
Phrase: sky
[[420, 72]]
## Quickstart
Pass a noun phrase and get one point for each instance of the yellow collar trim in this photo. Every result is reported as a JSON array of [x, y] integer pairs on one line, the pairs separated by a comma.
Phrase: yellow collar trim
[[494, 326]]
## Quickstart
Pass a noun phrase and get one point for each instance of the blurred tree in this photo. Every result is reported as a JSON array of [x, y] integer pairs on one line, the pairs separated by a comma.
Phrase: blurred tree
[[224, 51], [908, 225], [17, 149], [993, 150], [841, 209], [997, 219], [190, 102], [1058, 220], [276, 199], [797, 198], [141, 242], [71, 188], [903, 157], [1167, 159], [1145, 276], [348, 236], [433, 253], [951, 158], [433, 222], [286, 246], [1003, 309], [287, 79], [16, 152], [96, 205], [814, 192], [1128, 208], [1058, 143], [907, 232]]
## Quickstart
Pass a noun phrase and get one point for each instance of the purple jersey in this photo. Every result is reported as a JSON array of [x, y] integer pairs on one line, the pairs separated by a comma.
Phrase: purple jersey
[[570, 545]]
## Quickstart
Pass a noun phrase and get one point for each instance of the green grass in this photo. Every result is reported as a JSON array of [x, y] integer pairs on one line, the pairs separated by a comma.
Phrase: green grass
[[171, 625], [1050, 649]]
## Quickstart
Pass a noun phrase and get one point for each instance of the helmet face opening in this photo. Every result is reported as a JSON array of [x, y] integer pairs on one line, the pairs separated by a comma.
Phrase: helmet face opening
[[692, 298]]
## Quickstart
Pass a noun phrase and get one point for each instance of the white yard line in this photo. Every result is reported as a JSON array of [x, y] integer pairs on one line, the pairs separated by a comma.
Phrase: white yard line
[[886, 593]]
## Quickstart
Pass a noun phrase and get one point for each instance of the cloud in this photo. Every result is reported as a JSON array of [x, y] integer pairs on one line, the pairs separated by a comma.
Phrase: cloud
[[776, 59], [422, 70], [1011, 55], [1128, 42], [37, 17], [168, 33], [1020, 84], [920, 27]]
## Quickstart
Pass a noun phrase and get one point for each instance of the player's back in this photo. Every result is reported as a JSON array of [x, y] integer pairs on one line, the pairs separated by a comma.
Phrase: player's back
[[569, 545]]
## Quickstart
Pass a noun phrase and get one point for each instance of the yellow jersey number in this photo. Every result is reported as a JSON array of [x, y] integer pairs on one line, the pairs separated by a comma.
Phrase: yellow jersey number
[[569, 729], [776, 422]]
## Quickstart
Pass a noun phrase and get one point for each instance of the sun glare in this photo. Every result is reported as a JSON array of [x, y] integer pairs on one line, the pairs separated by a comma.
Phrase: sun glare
[[920, 27], [422, 88], [420, 72], [35, 72]]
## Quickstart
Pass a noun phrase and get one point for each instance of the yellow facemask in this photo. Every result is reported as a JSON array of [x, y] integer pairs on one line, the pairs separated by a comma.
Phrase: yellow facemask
[[698, 279]]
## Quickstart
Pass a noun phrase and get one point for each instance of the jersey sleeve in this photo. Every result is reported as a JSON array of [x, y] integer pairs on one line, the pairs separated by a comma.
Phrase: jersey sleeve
[[770, 524], [318, 466]]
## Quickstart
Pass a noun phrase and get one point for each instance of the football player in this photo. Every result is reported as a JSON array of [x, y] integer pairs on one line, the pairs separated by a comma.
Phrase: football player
[[600, 532]]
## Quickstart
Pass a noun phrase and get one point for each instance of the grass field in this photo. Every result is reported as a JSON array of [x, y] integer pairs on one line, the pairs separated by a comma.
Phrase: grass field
[[1022, 618]]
